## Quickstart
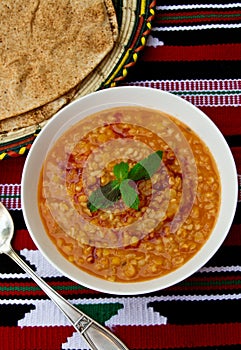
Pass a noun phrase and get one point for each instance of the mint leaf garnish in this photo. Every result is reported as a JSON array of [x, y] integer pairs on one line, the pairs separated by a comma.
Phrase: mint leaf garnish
[[146, 167], [121, 171], [104, 196], [129, 194], [122, 187]]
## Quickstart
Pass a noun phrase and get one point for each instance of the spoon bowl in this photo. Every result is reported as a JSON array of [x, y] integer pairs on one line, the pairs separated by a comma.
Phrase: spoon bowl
[[6, 229]]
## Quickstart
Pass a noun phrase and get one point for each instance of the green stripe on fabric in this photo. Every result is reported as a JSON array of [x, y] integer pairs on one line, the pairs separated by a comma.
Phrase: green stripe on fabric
[[79, 287], [211, 283], [19, 288], [36, 288]]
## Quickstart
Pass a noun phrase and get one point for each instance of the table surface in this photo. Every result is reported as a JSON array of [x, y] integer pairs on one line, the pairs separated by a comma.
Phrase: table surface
[[194, 51]]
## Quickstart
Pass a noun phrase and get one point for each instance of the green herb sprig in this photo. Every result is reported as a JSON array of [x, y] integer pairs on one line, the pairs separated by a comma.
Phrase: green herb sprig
[[124, 185]]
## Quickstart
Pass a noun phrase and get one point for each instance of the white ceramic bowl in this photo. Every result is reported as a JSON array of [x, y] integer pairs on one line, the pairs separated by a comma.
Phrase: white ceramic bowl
[[114, 97]]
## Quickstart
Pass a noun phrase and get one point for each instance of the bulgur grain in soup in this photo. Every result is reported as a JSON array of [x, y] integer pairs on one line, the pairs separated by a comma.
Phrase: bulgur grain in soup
[[178, 205]]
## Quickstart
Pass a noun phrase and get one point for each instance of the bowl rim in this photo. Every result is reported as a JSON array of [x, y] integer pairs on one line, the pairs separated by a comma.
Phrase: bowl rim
[[149, 98]]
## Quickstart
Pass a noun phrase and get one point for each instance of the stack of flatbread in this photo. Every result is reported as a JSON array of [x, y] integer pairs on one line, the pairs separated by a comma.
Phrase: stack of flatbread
[[47, 48]]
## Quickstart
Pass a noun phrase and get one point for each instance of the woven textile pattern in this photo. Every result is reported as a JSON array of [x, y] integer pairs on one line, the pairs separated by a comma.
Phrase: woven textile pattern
[[194, 51]]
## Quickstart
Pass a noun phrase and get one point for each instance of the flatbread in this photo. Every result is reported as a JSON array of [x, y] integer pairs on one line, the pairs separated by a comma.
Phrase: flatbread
[[36, 116], [47, 49]]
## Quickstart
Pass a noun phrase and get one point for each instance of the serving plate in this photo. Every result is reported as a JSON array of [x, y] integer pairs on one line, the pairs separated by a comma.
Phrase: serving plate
[[134, 19]]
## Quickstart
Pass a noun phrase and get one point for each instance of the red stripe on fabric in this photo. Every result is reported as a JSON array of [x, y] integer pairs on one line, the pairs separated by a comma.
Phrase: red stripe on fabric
[[30, 288], [220, 52], [205, 283], [22, 240], [37, 338], [11, 170], [17, 293], [135, 337], [178, 336], [72, 290], [208, 284], [227, 119]]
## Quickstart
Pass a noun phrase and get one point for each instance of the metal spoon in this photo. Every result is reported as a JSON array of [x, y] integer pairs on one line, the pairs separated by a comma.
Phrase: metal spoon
[[97, 337]]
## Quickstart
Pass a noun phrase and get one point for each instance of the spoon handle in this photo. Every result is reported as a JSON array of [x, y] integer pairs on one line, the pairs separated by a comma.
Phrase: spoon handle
[[97, 336]]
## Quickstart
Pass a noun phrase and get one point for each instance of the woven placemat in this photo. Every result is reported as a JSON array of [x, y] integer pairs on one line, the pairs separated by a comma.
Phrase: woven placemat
[[134, 19]]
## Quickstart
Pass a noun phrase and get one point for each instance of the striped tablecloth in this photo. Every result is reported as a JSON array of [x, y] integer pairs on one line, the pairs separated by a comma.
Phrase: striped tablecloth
[[194, 51]]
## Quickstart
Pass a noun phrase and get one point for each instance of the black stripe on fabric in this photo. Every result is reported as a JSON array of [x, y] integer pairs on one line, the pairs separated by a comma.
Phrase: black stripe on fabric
[[198, 37], [17, 216], [226, 256], [237, 217], [233, 140], [59, 279], [7, 265], [184, 70], [190, 312], [11, 314]]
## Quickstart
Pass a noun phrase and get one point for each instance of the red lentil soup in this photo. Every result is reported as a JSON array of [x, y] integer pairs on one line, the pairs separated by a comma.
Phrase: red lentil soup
[[178, 205]]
